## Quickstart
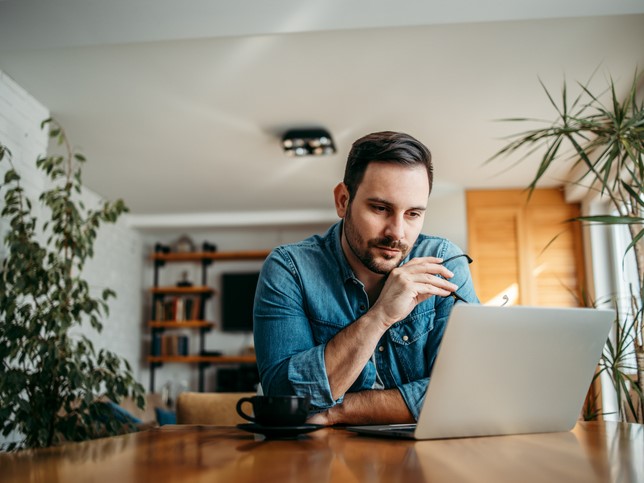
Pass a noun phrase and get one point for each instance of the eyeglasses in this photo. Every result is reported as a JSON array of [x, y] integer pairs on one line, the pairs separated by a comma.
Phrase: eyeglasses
[[469, 260]]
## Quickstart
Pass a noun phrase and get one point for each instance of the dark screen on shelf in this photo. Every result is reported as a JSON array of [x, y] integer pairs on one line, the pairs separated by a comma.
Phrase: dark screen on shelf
[[237, 296]]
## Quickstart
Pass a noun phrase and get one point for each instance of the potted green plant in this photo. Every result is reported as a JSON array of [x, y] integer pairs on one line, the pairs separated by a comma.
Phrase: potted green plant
[[602, 136], [54, 383]]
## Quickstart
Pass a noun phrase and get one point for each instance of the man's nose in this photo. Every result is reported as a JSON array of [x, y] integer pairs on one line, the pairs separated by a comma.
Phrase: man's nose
[[395, 227]]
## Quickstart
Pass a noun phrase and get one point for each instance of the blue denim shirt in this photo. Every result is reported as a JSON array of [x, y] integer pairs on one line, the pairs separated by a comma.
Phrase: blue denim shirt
[[307, 293]]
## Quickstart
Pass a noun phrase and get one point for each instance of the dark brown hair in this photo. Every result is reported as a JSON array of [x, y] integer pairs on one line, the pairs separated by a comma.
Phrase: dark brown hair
[[385, 147]]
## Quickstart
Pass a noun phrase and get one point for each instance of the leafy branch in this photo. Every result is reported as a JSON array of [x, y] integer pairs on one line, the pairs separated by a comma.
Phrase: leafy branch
[[54, 382]]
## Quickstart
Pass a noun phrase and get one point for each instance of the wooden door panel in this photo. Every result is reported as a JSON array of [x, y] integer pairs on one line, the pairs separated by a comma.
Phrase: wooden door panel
[[495, 249], [528, 250]]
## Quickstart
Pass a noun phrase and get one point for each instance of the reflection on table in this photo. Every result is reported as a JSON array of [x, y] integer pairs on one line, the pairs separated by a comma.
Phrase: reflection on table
[[591, 452]]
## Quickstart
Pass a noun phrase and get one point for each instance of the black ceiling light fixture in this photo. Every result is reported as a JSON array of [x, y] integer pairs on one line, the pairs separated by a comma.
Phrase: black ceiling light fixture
[[308, 142]]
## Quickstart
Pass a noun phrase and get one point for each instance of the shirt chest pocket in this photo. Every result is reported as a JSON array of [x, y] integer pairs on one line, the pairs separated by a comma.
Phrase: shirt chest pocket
[[323, 332], [409, 341]]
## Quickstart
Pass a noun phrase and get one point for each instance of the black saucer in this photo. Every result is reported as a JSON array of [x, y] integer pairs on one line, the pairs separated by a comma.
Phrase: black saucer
[[280, 432]]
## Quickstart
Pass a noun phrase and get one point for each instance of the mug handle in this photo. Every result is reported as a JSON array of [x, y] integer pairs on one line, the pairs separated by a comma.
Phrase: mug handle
[[241, 412]]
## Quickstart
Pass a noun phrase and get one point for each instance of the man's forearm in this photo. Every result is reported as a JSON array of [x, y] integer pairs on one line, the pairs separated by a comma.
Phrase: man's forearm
[[371, 407], [349, 351]]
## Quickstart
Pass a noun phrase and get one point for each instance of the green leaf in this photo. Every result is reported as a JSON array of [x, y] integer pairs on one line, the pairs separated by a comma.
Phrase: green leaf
[[610, 219], [11, 176], [4, 151], [636, 239]]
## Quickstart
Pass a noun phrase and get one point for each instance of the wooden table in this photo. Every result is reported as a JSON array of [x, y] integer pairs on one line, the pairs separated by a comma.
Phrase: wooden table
[[592, 452]]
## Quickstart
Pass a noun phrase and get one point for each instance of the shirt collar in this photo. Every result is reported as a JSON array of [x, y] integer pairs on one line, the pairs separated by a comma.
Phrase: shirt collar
[[335, 242]]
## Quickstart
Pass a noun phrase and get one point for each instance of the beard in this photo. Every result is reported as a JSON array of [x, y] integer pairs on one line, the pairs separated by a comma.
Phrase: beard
[[365, 250]]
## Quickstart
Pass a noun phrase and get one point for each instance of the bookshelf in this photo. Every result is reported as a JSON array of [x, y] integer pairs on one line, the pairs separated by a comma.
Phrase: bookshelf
[[177, 308]]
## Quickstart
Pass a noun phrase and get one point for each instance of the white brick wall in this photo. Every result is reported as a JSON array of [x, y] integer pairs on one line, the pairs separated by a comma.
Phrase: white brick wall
[[20, 118], [118, 258], [117, 264]]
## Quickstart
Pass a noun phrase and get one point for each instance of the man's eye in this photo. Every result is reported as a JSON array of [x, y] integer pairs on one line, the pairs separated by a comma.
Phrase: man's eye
[[379, 208], [414, 214]]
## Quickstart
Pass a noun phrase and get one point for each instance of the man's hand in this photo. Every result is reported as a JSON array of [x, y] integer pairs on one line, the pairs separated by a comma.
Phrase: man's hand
[[320, 418], [405, 287], [410, 284]]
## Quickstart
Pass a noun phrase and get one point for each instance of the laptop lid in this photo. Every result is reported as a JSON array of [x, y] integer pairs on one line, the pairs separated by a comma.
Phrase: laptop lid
[[510, 370]]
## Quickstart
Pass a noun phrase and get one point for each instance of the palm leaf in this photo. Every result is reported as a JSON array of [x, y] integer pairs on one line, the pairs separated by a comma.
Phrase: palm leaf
[[610, 219], [638, 236], [603, 136]]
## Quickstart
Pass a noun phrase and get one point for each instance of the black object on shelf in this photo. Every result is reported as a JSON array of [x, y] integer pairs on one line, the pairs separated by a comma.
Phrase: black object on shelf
[[184, 282], [160, 248], [237, 296], [209, 247], [156, 344], [210, 353]]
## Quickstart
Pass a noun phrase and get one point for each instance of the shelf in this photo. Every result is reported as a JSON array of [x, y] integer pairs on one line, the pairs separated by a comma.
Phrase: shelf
[[185, 324], [208, 359], [173, 302], [198, 256], [198, 290]]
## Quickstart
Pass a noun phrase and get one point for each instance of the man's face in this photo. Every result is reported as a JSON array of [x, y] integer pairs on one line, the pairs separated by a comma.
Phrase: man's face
[[383, 221]]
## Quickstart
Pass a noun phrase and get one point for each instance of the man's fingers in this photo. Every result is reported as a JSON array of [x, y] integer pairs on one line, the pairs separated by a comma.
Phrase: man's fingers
[[422, 260], [427, 291], [424, 282], [425, 267], [442, 286]]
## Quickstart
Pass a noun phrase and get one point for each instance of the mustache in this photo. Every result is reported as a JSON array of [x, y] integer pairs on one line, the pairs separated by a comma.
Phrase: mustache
[[388, 242]]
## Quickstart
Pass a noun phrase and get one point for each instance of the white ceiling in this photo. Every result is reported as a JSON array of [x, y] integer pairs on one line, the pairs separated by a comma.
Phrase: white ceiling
[[179, 106]]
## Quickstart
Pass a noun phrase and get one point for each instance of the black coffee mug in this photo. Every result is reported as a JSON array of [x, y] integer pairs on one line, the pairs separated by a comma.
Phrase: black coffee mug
[[276, 410]]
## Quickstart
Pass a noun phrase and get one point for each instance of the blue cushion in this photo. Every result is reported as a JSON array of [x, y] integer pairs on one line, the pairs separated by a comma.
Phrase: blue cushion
[[165, 417], [121, 414]]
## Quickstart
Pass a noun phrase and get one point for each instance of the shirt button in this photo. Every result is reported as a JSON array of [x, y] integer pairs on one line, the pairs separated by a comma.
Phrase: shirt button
[[362, 307], [405, 338], [381, 348]]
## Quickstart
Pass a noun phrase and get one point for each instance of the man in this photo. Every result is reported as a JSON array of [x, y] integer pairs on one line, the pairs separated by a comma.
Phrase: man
[[354, 318]]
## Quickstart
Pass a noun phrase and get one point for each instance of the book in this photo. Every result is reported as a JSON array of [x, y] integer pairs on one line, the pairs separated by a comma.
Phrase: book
[[158, 310], [183, 343], [179, 310]]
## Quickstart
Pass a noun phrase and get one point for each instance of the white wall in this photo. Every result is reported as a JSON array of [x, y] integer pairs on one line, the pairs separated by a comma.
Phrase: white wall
[[118, 264], [118, 251], [20, 118], [447, 216]]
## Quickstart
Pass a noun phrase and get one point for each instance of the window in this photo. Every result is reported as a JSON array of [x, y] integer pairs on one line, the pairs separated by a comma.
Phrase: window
[[614, 278]]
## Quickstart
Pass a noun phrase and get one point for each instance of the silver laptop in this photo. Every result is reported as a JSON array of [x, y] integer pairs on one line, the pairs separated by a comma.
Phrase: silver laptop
[[508, 370]]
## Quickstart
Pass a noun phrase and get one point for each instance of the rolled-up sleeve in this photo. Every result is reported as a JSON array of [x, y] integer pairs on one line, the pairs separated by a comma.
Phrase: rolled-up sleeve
[[414, 394], [289, 361]]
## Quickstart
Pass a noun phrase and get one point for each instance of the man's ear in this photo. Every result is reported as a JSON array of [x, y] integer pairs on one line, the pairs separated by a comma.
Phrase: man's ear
[[341, 197]]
